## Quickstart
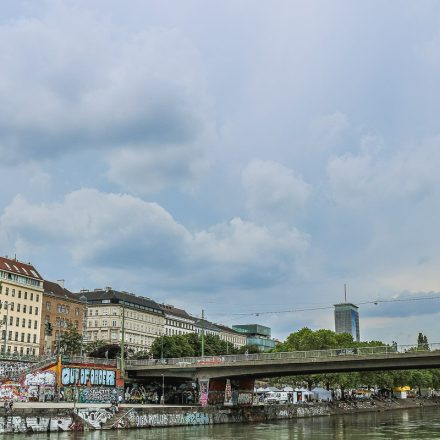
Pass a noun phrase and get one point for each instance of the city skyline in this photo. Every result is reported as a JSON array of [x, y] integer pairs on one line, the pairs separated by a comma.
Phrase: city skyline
[[230, 157]]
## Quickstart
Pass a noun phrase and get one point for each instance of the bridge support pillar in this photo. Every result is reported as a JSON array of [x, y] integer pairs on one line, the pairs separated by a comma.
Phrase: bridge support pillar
[[231, 392]]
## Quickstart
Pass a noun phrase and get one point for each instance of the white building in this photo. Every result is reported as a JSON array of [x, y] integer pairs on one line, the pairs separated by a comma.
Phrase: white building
[[107, 309], [177, 321]]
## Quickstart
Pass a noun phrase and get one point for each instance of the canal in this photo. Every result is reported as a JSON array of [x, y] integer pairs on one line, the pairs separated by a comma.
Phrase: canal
[[423, 423]]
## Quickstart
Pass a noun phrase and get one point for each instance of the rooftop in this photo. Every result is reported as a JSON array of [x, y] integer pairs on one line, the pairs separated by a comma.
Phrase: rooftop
[[51, 288], [20, 268], [116, 297]]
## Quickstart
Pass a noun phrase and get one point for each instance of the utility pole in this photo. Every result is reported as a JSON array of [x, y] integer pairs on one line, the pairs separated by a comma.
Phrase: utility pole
[[123, 342], [203, 333], [6, 304]]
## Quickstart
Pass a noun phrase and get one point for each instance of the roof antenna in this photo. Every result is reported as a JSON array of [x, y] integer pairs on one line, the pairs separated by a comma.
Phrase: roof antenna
[[345, 292]]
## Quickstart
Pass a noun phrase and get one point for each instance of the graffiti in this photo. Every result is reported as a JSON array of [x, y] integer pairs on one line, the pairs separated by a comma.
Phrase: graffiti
[[34, 424], [40, 378], [12, 369], [197, 418], [245, 398], [85, 376], [10, 392], [96, 418], [204, 387]]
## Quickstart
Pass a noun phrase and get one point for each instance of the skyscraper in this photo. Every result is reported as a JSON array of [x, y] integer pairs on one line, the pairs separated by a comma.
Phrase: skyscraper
[[347, 320]]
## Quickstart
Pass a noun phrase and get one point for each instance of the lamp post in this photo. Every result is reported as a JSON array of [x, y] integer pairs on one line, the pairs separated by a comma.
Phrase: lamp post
[[83, 300], [162, 398], [6, 304]]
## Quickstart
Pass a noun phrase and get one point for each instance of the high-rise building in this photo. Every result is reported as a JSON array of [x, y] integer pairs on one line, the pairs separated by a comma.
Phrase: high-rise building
[[347, 320], [21, 299]]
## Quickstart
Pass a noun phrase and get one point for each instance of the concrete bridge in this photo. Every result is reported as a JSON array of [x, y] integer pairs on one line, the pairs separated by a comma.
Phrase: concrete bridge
[[290, 363]]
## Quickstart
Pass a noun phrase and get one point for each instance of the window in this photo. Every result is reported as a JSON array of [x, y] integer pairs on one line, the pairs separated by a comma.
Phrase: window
[[30, 323], [35, 325], [23, 322], [35, 339], [18, 307], [11, 306], [24, 308], [19, 293], [17, 322], [48, 305], [25, 295], [30, 310], [7, 291], [96, 312], [16, 336], [32, 296], [10, 335], [36, 310], [29, 337], [114, 323], [11, 320], [22, 337], [13, 292], [37, 297], [76, 311]]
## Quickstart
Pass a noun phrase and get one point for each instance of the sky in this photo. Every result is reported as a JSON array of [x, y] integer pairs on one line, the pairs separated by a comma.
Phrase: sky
[[239, 157]]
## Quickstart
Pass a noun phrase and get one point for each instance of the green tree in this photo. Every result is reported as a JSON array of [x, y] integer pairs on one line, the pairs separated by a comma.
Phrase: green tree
[[94, 345], [70, 340]]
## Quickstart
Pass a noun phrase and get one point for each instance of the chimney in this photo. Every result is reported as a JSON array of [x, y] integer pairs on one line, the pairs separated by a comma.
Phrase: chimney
[[61, 283]]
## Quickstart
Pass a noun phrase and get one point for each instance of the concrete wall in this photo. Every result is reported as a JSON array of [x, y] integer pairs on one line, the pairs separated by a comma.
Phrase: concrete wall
[[43, 420]]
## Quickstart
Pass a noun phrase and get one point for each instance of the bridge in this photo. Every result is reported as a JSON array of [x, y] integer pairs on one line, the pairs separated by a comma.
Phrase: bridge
[[288, 363]]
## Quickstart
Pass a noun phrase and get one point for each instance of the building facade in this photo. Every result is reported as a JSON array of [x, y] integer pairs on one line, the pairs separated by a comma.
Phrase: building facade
[[234, 337], [110, 312], [21, 298], [207, 327], [177, 321], [60, 307], [347, 320], [257, 335]]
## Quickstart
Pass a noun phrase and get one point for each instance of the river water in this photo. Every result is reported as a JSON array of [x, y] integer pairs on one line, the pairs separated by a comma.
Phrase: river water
[[423, 423]]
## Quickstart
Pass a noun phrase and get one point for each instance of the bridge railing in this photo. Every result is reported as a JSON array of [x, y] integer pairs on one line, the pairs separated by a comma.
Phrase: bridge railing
[[310, 354]]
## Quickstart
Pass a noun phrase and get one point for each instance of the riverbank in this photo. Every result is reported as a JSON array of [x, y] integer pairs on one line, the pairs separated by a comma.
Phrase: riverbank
[[47, 418]]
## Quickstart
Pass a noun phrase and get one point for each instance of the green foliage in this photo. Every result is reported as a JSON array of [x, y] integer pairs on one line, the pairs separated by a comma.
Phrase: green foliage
[[70, 341], [249, 349], [190, 345], [306, 339], [94, 345]]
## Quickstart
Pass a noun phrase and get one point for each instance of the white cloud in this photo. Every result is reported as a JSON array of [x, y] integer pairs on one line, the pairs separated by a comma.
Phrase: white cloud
[[70, 81], [273, 192], [327, 130], [377, 174], [121, 232]]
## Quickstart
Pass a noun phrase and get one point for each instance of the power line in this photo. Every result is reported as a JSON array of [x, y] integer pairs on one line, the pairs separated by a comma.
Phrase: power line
[[375, 302]]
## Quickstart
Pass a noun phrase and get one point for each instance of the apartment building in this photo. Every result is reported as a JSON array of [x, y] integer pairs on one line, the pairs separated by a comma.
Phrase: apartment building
[[177, 321], [108, 311], [232, 336], [21, 298], [60, 307]]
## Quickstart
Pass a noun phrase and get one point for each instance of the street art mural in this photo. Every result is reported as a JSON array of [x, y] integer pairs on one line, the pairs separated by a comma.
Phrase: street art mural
[[204, 391], [88, 376]]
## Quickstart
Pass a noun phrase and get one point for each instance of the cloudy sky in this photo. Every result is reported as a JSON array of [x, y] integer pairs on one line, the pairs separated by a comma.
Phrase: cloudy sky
[[236, 156]]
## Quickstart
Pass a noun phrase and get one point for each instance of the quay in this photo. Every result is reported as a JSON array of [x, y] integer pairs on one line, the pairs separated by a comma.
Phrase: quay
[[33, 417]]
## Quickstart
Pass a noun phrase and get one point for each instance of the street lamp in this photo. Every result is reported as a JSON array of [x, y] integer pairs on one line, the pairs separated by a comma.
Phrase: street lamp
[[6, 304], [83, 300], [162, 398]]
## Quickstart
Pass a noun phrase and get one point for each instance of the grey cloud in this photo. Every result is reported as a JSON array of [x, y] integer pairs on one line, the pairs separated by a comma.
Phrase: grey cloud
[[273, 192], [70, 81], [406, 304], [110, 231]]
